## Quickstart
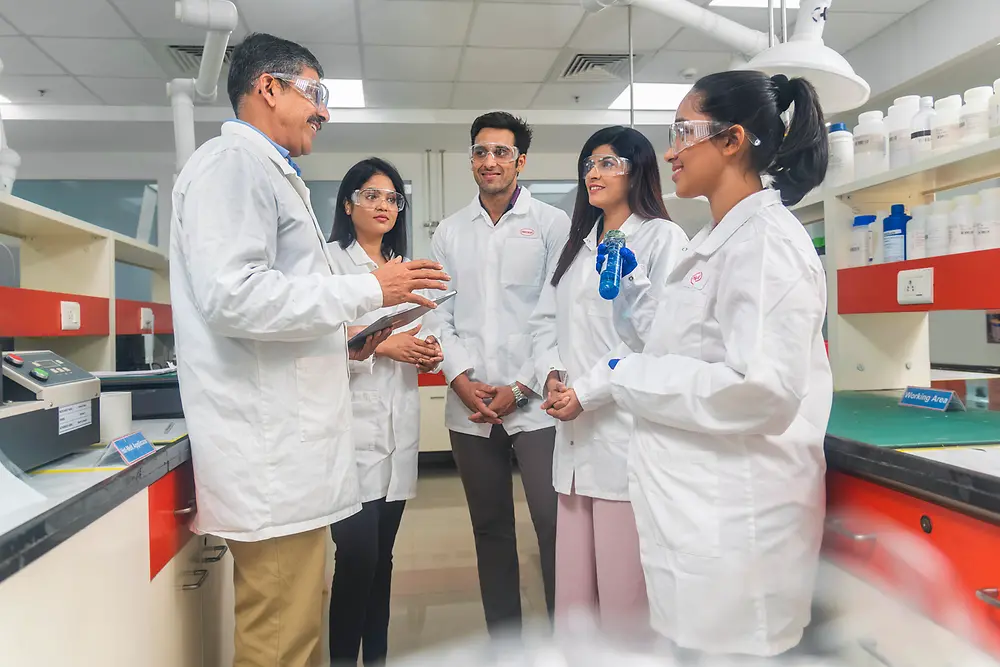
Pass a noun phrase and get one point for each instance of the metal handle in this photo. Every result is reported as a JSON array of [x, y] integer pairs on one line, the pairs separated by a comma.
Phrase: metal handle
[[202, 576], [220, 551], [837, 528], [437, 398], [990, 596], [190, 509]]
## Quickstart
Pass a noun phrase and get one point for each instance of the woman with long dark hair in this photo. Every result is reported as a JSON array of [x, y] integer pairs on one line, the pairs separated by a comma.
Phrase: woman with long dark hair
[[732, 389], [369, 230], [597, 548]]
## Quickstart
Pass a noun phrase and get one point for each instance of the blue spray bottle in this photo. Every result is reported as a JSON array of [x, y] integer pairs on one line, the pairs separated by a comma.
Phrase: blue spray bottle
[[611, 276]]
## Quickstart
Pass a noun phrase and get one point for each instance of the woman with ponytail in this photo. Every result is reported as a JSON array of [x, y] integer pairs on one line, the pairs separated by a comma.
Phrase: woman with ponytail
[[731, 387]]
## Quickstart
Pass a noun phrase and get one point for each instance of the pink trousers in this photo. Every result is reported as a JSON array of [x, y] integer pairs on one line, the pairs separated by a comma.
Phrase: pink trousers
[[598, 570]]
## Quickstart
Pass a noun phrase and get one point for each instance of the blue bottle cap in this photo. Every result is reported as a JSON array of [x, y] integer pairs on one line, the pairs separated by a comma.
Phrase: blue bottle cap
[[838, 127], [863, 220], [898, 209]]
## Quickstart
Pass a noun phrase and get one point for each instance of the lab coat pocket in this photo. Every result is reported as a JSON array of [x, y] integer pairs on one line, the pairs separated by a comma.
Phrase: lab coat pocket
[[523, 262], [684, 494], [369, 420], [680, 323], [322, 389]]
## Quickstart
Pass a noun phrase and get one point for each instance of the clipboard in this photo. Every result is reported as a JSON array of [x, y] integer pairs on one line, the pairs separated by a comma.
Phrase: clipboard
[[394, 321]]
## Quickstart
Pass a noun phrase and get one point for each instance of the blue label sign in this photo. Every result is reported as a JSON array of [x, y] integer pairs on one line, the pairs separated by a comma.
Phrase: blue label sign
[[940, 400], [133, 448]]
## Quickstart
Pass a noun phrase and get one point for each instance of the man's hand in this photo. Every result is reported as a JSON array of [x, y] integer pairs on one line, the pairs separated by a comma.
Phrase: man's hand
[[430, 364], [501, 401], [468, 392], [400, 279], [406, 348], [372, 342], [561, 402]]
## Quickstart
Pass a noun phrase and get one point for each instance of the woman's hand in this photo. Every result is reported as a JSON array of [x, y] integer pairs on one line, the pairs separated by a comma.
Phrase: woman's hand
[[429, 365], [406, 348], [561, 402]]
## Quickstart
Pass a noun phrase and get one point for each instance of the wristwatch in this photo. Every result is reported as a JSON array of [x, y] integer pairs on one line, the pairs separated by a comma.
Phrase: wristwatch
[[520, 400]]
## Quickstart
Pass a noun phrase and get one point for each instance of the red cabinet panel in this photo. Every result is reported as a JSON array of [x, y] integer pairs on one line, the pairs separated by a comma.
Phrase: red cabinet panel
[[171, 508]]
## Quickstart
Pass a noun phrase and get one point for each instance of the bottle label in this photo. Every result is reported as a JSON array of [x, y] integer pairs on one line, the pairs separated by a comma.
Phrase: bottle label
[[975, 125], [945, 136], [870, 143]]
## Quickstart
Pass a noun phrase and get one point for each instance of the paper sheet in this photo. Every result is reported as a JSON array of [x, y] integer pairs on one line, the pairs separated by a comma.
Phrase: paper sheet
[[982, 459], [15, 494], [161, 431]]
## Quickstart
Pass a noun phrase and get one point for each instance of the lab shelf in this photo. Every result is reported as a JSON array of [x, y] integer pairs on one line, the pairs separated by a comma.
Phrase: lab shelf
[[810, 209], [137, 253], [27, 313], [128, 317], [968, 281]]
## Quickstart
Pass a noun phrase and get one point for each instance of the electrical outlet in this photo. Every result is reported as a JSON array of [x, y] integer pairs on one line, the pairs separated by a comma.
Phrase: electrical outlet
[[915, 287], [69, 312], [146, 319]]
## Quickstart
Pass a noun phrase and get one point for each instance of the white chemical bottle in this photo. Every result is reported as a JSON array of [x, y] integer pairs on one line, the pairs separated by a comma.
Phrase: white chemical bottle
[[946, 124], [995, 110], [897, 124], [962, 225], [988, 220], [840, 170], [871, 145], [878, 237], [974, 126], [937, 227], [861, 241], [916, 233], [921, 134]]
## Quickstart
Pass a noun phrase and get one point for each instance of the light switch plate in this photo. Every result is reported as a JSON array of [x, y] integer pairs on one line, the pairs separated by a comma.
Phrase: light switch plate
[[146, 319], [915, 286], [69, 312]]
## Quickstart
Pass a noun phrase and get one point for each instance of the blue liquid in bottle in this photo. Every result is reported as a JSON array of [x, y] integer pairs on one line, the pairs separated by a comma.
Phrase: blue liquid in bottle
[[611, 275]]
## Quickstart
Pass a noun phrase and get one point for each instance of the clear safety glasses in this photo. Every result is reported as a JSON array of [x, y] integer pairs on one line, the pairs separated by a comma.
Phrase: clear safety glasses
[[501, 154], [606, 165], [687, 133], [312, 90], [370, 197]]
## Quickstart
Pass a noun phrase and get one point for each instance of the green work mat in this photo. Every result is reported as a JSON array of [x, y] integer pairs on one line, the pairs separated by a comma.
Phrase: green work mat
[[878, 419]]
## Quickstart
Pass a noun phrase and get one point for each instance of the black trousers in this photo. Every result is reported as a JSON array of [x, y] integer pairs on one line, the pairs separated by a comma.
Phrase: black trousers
[[486, 469], [362, 579]]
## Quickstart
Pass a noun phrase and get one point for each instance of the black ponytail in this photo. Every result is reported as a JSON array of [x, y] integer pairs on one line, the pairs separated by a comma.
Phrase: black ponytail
[[796, 159]]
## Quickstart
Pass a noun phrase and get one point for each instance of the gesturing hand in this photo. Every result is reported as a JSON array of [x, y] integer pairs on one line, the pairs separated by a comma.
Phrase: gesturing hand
[[372, 342], [400, 279], [467, 391], [629, 262]]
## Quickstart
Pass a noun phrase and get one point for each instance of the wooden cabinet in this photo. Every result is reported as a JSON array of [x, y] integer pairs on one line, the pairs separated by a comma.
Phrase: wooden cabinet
[[433, 433]]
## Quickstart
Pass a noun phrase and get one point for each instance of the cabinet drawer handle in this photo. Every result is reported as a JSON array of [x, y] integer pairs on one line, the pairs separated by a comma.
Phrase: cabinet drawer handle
[[202, 576], [219, 551], [837, 528], [190, 509], [990, 596], [437, 398]]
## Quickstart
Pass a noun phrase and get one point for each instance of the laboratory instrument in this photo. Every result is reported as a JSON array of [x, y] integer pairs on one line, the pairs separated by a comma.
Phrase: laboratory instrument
[[611, 274]]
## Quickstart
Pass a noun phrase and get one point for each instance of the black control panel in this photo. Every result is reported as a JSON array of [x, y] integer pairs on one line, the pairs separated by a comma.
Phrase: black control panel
[[43, 368]]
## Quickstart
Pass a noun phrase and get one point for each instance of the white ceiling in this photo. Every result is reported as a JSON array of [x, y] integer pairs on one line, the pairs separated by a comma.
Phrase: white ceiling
[[461, 54]]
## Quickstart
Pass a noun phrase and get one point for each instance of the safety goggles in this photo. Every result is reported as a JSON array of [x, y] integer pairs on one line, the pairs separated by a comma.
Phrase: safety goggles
[[312, 90], [502, 154], [606, 165], [687, 133], [370, 197]]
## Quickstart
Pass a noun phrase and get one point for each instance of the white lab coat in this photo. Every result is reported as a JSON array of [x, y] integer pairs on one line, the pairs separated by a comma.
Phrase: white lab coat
[[498, 271], [261, 345], [731, 396], [574, 333], [385, 402]]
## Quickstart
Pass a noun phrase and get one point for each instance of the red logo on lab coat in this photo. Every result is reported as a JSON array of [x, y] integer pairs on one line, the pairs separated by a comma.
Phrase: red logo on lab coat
[[696, 278], [527, 232]]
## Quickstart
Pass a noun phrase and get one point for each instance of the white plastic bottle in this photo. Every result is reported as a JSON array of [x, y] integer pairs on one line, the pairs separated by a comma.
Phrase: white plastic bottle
[[988, 219], [916, 233], [962, 225], [871, 145], [878, 237], [840, 170], [921, 134], [995, 110], [937, 227], [974, 126], [861, 241], [946, 124], [898, 123]]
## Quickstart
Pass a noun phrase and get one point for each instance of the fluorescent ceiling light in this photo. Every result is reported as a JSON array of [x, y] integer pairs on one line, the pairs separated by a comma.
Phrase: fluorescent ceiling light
[[653, 96], [345, 93], [756, 4], [4, 99]]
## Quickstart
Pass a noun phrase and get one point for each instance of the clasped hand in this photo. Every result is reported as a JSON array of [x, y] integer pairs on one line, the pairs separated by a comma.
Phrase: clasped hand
[[406, 348], [487, 403], [561, 401]]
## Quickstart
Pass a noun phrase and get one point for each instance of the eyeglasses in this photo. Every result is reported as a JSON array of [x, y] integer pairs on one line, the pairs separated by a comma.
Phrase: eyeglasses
[[501, 154], [687, 133], [312, 90], [606, 165], [370, 197]]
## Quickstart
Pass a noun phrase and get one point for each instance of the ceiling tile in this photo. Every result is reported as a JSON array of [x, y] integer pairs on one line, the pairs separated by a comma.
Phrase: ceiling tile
[[7, 29], [155, 20], [102, 57], [689, 39], [608, 30], [20, 56], [845, 30], [524, 25], [339, 61], [411, 63], [414, 23], [667, 66], [60, 18], [128, 92], [407, 95], [329, 21], [489, 96], [58, 90], [886, 6], [578, 95], [511, 65]]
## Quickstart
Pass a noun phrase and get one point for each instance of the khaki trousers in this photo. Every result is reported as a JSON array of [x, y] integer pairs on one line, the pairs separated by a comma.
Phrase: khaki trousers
[[279, 585]]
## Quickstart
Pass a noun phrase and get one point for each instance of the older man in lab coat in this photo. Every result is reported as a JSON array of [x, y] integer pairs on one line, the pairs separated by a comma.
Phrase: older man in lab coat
[[259, 320]]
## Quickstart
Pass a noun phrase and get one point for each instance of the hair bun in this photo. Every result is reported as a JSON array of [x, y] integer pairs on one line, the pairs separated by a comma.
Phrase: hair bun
[[783, 93]]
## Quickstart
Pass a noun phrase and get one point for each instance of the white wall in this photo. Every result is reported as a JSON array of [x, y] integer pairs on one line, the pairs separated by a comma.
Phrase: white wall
[[959, 337]]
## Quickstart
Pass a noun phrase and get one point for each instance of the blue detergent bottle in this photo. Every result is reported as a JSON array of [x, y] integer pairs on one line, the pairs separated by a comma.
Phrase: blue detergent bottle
[[894, 234], [611, 275]]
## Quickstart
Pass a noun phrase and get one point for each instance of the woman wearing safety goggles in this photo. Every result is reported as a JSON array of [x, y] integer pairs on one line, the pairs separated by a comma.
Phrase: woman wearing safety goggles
[[731, 388]]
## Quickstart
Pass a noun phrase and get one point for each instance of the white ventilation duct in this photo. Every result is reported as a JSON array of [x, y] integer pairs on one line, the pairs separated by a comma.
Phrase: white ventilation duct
[[805, 54]]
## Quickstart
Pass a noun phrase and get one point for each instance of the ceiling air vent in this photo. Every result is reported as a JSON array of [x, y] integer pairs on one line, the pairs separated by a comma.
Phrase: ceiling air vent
[[188, 57], [597, 67]]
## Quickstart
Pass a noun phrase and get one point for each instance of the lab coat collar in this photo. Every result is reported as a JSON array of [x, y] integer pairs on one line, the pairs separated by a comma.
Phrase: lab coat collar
[[359, 256], [521, 206], [632, 224], [711, 239], [263, 143]]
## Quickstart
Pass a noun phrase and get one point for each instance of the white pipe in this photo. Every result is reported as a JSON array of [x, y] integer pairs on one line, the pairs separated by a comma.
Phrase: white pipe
[[443, 204], [181, 92], [218, 15], [631, 72], [812, 20], [745, 40], [212, 56]]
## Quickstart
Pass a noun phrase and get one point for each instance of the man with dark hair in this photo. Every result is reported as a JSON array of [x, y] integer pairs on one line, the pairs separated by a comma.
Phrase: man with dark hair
[[499, 250], [263, 362]]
